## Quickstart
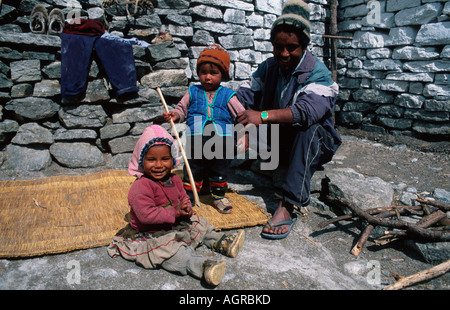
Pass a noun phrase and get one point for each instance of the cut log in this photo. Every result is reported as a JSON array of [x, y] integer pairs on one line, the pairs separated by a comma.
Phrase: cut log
[[362, 240]]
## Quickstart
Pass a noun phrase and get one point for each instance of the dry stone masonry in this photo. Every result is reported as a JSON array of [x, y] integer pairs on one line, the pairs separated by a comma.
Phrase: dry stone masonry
[[393, 74]]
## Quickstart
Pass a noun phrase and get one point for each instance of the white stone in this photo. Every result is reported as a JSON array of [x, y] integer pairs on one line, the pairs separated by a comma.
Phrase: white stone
[[272, 6], [434, 34], [397, 5], [401, 36], [365, 39], [407, 76], [419, 15], [437, 91]]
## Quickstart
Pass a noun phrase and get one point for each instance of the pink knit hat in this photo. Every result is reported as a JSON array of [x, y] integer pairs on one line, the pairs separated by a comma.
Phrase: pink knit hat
[[152, 135]]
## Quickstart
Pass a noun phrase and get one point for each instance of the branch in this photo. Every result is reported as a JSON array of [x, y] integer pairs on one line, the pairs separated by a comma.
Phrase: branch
[[435, 203], [411, 228], [374, 211]]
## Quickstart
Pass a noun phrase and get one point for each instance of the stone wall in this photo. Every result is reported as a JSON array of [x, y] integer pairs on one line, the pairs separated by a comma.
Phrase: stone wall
[[394, 74], [386, 82], [38, 130]]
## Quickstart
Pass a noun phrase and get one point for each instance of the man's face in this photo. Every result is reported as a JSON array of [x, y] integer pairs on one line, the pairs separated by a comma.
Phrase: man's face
[[287, 51]]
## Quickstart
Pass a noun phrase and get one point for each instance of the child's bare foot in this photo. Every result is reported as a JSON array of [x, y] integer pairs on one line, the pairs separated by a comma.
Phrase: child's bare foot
[[223, 205]]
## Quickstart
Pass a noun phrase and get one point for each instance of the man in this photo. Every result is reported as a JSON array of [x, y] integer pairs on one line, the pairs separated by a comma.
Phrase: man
[[294, 90]]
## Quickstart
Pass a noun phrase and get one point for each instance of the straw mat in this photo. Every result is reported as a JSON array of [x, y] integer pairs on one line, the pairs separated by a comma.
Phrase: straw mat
[[59, 214]]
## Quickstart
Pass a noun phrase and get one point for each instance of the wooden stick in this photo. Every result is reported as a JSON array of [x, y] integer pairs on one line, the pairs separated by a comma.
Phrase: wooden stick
[[425, 222], [374, 211], [334, 31], [432, 219], [186, 163], [435, 203], [420, 276], [368, 230], [362, 240], [308, 238], [336, 37]]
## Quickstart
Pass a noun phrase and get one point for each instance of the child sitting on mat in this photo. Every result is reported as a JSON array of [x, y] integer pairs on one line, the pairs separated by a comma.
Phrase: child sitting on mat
[[164, 230], [209, 104]]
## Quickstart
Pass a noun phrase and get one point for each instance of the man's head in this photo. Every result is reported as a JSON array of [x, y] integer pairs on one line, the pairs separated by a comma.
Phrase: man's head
[[290, 34]]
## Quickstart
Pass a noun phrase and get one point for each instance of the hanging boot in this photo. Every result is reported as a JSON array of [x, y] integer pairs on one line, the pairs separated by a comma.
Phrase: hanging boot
[[56, 22], [38, 19]]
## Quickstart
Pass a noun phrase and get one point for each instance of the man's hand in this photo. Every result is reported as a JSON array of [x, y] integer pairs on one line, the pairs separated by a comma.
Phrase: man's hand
[[249, 117], [277, 116]]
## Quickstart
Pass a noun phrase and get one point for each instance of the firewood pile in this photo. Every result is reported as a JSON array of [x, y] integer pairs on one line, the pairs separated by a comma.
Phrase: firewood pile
[[432, 227]]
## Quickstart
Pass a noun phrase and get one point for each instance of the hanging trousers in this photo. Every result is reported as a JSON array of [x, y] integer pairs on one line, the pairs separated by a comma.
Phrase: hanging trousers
[[116, 58]]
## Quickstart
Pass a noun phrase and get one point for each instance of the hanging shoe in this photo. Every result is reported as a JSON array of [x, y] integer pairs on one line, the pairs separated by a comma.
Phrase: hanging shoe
[[38, 19], [56, 22]]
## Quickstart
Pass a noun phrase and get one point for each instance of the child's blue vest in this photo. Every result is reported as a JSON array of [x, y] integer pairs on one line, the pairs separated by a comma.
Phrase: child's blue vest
[[198, 111]]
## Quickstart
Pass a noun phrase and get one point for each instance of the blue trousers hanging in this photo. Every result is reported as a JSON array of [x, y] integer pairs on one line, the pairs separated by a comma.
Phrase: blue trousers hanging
[[116, 58]]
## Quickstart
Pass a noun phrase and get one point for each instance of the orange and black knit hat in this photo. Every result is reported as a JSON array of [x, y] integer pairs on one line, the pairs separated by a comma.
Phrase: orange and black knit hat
[[215, 54]]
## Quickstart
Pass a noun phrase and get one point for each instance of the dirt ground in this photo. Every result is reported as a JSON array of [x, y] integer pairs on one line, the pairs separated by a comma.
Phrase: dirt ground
[[310, 258], [419, 163]]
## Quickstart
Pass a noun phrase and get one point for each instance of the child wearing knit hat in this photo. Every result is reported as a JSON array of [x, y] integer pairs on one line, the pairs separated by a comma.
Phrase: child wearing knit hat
[[204, 107], [163, 230]]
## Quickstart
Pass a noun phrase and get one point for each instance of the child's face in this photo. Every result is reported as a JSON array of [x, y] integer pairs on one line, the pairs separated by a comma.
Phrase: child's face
[[210, 76], [158, 162]]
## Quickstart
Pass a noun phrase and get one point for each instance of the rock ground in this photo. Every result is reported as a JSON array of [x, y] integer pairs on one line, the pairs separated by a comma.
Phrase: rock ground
[[309, 259]]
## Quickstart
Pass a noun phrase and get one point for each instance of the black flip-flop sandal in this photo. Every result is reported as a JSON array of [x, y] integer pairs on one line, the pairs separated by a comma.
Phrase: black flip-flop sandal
[[279, 236]]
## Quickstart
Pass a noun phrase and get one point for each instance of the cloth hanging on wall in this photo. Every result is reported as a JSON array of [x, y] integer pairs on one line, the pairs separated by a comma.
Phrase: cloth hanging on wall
[[81, 26], [78, 42]]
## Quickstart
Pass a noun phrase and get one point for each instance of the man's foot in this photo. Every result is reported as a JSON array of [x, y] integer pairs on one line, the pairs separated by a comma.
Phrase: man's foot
[[280, 224]]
